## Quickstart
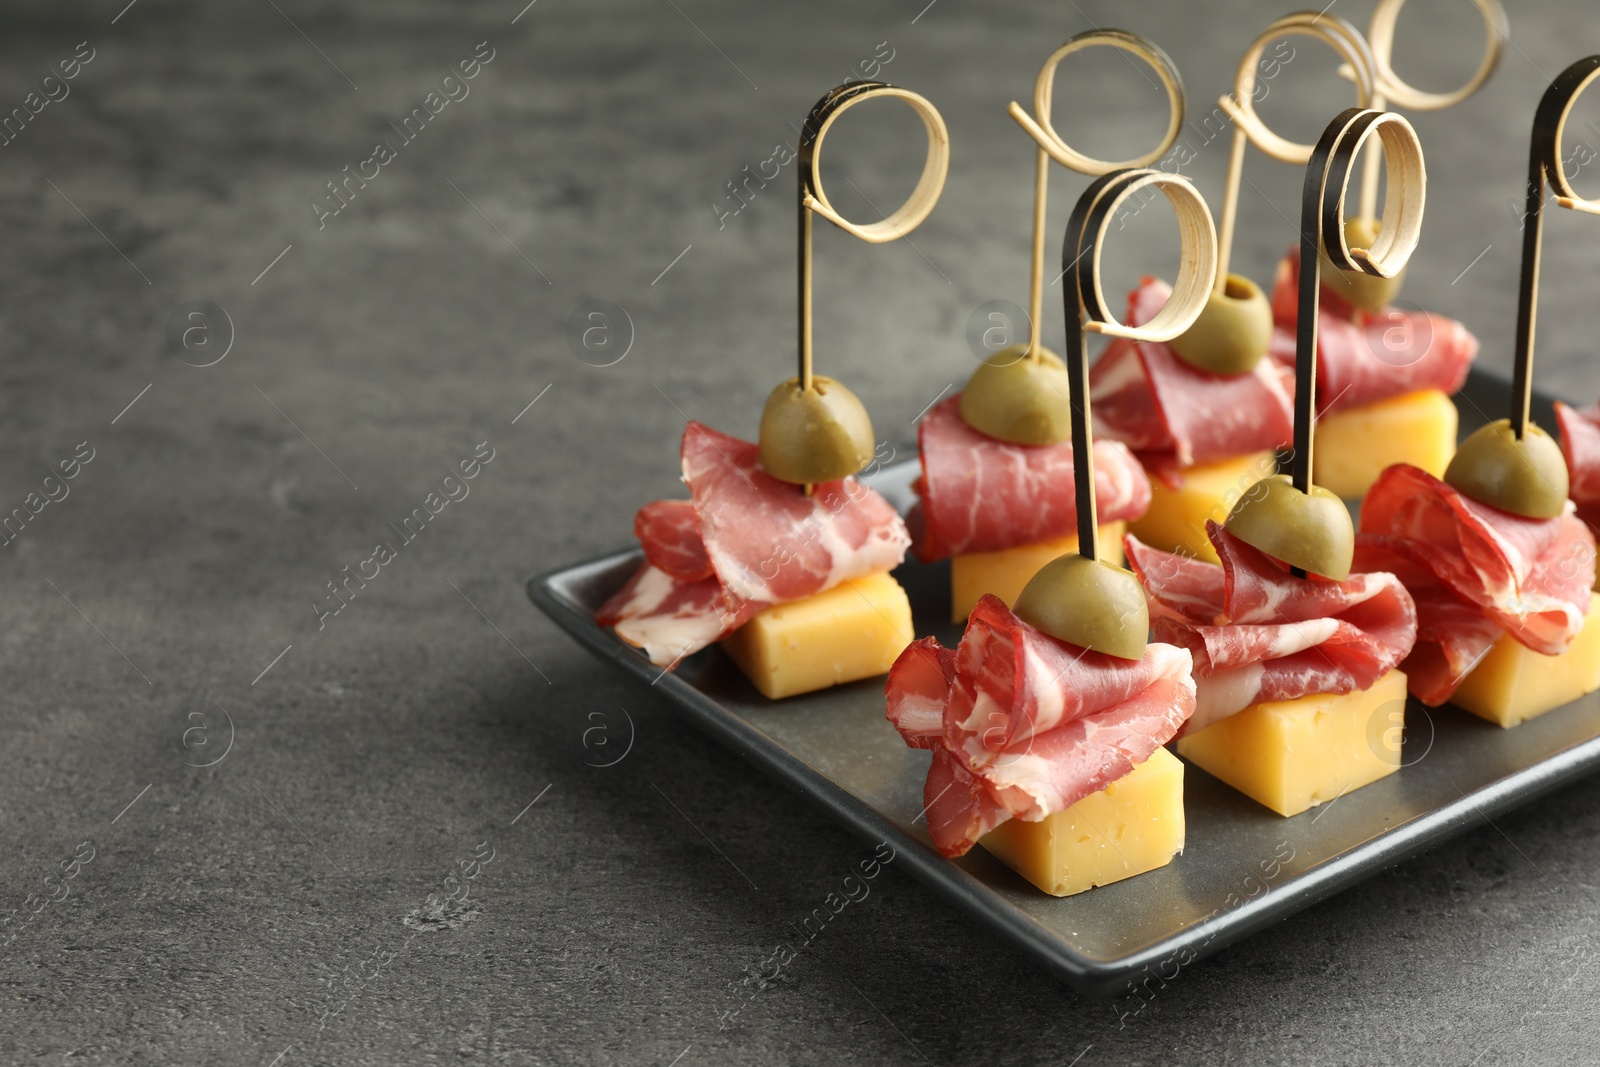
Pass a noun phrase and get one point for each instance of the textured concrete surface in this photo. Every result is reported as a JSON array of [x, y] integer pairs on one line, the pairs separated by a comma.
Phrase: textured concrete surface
[[294, 901]]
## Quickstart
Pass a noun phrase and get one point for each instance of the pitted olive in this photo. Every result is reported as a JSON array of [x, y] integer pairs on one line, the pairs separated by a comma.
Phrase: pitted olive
[[1311, 531], [1022, 400], [1233, 331], [1089, 603], [1526, 477], [814, 435]]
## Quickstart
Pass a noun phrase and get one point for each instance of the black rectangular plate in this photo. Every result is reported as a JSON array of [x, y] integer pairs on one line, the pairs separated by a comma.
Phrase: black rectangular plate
[[1243, 866]]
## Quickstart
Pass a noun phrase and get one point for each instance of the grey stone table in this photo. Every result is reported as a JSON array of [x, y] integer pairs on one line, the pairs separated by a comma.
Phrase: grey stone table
[[231, 816]]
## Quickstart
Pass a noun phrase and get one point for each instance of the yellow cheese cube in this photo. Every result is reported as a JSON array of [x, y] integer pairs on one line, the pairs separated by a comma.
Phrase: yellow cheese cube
[[1295, 754], [1176, 521], [1005, 573], [1353, 447], [854, 630], [1133, 825], [1513, 683]]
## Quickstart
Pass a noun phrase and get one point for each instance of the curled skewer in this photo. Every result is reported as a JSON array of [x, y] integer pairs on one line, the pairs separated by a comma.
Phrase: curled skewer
[[1017, 394], [1086, 310], [1339, 34], [1287, 517], [1512, 464], [1077, 597], [1544, 165], [1396, 91], [1053, 146], [814, 198], [1235, 328], [813, 429]]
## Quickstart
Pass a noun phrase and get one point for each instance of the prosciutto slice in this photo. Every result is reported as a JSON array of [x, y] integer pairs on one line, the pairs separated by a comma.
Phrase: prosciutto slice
[[1175, 415], [741, 542], [1259, 633], [1395, 351], [669, 530], [1022, 725], [1453, 633], [983, 495], [1580, 442], [1530, 576]]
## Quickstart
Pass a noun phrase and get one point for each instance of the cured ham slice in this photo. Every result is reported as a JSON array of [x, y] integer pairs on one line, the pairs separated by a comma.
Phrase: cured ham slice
[[1176, 415], [1259, 633], [743, 541], [1580, 442], [983, 495], [1395, 351], [1022, 725], [1530, 576], [669, 530], [1453, 633], [671, 618]]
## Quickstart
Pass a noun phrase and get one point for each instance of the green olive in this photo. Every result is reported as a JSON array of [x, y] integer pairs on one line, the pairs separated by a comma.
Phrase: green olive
[[1233, 331], [1363, 291], [1024, 401], [1526, 477], [1089, 603], [1311, 531], [814, 435]]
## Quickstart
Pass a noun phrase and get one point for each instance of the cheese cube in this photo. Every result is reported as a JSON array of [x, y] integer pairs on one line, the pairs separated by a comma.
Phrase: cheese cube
[[855, 630], [1295, 754], [1513, 683], [1004, 573], [1354, 446], [1133, 825], [1176, 521]]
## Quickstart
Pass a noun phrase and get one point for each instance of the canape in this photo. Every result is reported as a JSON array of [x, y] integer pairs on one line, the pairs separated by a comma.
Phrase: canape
[[1504, 599], [1298, 699], [1046, 723], [780, 552], [797, 587]]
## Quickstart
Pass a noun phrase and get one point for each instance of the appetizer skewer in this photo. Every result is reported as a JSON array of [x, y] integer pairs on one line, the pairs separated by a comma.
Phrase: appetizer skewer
[[1499, 562], [1206, 412], [780, 553], [997, 462], [1046, 724], [1386, 373], [1294, 654]]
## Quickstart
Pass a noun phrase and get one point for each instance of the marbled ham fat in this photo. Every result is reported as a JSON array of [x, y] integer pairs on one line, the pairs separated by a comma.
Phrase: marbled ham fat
[[1022, 725], [742, 542], [1258, 633]]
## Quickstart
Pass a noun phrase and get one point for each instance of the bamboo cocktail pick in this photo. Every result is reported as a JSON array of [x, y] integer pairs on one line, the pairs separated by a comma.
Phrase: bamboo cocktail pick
[[1286, 516], [1364, 292], [1017, 394], [1235, 329], [1512, 464], [1077, 597], [1394, 90], [813, 429]]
